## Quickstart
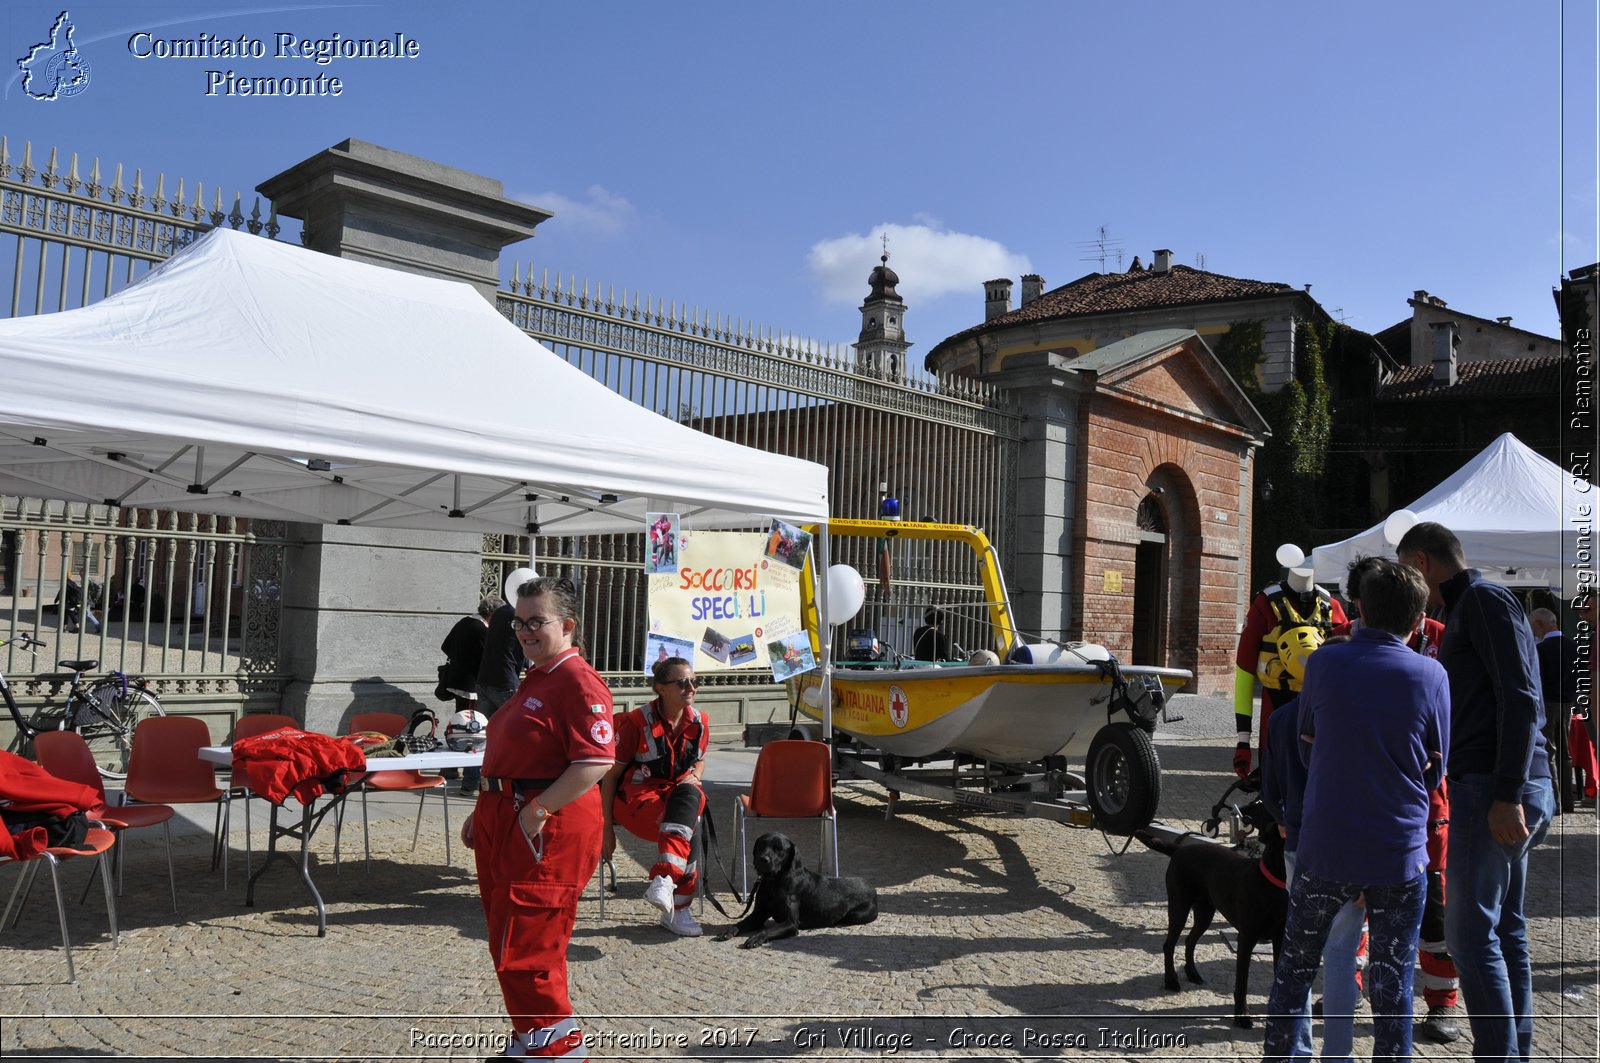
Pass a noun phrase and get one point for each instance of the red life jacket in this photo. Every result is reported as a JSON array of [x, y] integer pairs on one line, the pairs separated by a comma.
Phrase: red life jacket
[[658, 755]]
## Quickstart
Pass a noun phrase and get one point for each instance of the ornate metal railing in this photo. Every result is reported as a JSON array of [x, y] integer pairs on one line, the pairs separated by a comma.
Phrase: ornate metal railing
[[189, 601]]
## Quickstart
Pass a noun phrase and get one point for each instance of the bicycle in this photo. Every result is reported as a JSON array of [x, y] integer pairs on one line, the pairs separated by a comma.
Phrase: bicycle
[[104, 711]]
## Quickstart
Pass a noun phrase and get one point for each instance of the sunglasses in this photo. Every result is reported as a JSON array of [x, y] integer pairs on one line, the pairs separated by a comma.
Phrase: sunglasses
[[532, 623], [686, 684]]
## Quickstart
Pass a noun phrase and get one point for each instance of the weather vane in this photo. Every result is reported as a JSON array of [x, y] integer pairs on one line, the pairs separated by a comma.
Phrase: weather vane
[[884, 236]]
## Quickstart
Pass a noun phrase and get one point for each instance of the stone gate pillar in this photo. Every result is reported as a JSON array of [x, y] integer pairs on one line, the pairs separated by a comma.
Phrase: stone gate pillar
[[364, 610], [1044, 581]]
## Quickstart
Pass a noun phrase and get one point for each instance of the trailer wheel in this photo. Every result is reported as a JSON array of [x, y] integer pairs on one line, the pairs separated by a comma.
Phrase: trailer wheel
[[1123, 778]]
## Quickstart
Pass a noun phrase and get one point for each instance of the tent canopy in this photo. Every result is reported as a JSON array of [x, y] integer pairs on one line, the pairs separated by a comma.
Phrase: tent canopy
[[254, 378], [1514, 511]]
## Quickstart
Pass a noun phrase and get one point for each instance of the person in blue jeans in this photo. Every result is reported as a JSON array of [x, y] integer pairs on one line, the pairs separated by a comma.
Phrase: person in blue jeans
[[1283, 787], [1501, 799], [1374, 711]]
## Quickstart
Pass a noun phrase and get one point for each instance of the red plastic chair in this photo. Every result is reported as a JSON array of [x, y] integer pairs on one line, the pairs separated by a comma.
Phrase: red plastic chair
[[66, 755], [249, 726], [98, 841], [164, 767], [793, 779], [259, 723], [404, 781]]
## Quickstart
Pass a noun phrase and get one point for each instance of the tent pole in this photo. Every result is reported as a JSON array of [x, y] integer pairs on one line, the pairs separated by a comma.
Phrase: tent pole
[[824, 634]]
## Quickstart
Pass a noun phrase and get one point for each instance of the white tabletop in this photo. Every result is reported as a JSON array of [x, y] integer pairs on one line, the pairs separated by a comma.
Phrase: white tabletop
[[441, 758]]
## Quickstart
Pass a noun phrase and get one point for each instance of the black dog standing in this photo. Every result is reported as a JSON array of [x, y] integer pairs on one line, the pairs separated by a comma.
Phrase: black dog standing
[[795, 898], [1205, 877]]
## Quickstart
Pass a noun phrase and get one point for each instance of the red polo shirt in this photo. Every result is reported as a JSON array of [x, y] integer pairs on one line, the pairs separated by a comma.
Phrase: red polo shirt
[[559, 716]]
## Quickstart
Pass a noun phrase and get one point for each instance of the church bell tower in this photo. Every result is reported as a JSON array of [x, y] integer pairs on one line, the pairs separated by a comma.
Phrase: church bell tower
[[881, 347]]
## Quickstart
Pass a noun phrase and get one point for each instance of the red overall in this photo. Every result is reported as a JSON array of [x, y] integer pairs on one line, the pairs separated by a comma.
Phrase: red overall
[[658, 796], [1439, 981], [559, 716]]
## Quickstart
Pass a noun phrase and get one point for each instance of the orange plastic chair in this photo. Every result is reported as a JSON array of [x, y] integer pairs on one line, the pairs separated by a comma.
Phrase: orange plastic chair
[[793, 779], [66, 755], [98, 841], [404, 781], [249, 726], [164, 767], [259, 723]]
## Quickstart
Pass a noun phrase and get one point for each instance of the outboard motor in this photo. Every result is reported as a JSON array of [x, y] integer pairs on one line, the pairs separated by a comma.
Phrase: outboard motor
[[864, 649]]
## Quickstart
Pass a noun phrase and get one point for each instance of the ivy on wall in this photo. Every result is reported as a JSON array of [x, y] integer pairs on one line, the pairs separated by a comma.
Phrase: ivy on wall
[[1291, 466]]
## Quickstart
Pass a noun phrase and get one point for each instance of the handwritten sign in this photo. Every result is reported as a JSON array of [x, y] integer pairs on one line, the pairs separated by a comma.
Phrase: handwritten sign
[[722, 606]]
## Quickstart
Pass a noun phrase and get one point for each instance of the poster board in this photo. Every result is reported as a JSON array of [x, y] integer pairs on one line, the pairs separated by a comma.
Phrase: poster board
[[732, 604]]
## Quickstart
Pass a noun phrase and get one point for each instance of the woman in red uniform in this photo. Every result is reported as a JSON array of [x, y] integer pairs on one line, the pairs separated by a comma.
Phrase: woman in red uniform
[[536, 828], [655, 791]]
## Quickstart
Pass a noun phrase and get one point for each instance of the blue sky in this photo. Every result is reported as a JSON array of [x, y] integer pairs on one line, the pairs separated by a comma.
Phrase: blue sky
[[744, 157]]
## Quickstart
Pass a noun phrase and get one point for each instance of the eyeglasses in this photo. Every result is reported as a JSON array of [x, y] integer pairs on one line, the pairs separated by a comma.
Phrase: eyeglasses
[[686, 684], [532, 623]]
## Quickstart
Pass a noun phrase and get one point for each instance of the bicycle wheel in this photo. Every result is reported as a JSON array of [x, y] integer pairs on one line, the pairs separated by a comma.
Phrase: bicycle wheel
[[105, 716]]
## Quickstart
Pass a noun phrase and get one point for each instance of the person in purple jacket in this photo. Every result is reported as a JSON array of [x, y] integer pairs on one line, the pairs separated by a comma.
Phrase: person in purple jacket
[[1374, 728]]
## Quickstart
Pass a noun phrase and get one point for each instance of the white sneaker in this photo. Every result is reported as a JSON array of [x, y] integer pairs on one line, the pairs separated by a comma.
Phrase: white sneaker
[[681, 921], [659, 893]]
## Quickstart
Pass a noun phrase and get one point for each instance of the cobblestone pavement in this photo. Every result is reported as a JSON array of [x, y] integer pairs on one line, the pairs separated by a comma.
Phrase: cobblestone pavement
[[999, 936]]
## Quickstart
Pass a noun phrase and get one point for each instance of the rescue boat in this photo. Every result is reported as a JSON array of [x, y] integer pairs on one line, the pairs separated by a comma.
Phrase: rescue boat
[[1010, 713], [1040, 705]]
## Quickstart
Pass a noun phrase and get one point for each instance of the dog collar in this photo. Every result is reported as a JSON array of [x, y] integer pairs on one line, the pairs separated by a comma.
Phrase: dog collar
[[1269, 876]]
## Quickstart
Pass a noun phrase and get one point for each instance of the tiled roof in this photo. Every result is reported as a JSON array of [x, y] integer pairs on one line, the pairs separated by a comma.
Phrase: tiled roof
[[1501, 378], [1144, 289]]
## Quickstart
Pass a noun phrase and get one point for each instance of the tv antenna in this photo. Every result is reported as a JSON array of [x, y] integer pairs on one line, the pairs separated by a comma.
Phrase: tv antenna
[[1101, 248]]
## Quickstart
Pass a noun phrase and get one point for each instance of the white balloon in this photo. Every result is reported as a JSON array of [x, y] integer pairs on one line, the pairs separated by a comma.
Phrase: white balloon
[[1395, 528], [1289, 555], [846, 593], [517, 578]]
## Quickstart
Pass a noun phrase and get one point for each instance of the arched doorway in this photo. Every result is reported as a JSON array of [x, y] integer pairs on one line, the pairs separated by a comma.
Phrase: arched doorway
[[1150, 578], [1167, 567]]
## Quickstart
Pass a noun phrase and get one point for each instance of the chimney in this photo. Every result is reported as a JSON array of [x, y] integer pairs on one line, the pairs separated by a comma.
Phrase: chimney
[[1163, 261], [1419, 296], [996, 298], [1446, 335], [1032, 287], [1506, 321]]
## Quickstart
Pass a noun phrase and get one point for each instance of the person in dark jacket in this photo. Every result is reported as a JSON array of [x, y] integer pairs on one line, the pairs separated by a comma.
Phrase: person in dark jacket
[[1500, 795], [929, 642], [1558, 683], [499, 671], [463, 653]]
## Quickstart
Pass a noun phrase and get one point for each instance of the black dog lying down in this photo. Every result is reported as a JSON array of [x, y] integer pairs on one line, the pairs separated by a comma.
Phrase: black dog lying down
[[797, 899], [1206, 877]]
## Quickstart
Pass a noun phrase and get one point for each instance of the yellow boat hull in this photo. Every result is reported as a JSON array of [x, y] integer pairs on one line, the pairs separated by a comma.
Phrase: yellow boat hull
[[1006, 713]]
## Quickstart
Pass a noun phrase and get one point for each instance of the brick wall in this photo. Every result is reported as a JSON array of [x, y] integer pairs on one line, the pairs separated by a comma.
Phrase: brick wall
[[1130, 448]]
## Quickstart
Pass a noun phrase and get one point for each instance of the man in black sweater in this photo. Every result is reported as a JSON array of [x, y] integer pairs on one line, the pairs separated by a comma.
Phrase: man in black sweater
[[499, 672], [1500, 797]]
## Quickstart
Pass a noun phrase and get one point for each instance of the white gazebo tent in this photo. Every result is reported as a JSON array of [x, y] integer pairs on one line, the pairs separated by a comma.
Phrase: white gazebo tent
[[252, 378], [255, 378], [1518, 516]]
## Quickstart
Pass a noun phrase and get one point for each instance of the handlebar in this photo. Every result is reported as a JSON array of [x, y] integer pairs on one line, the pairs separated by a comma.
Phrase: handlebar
[[26, 641]]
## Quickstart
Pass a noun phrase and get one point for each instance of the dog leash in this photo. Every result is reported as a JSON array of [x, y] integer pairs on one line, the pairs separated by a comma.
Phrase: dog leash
[[711, 853]]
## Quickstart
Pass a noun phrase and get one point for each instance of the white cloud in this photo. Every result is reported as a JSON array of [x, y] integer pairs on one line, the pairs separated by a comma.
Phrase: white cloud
[[601, 211], [931, 261]]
